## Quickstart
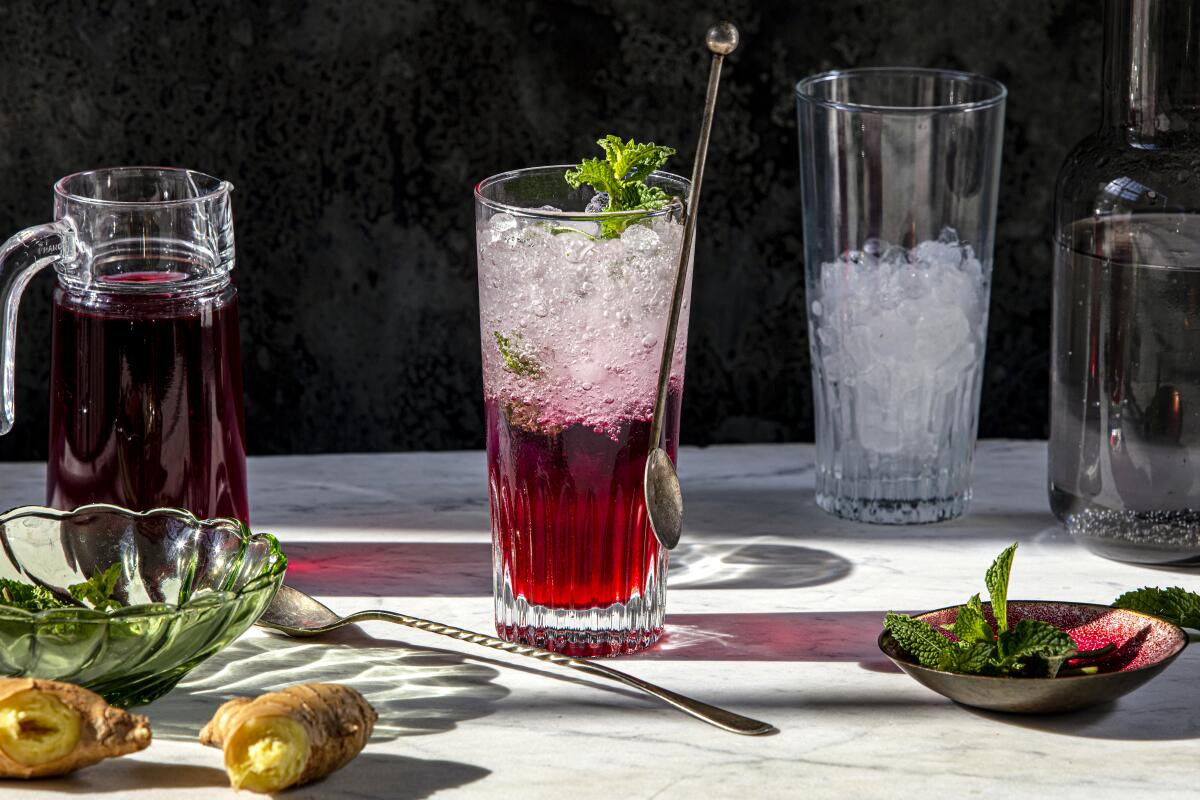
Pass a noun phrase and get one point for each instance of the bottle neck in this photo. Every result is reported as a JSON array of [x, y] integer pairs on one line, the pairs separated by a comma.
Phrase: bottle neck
[[1152, 68]]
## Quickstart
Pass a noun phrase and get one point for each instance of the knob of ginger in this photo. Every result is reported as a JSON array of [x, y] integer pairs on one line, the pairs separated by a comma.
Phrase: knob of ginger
[[52, 728], [287, 738]]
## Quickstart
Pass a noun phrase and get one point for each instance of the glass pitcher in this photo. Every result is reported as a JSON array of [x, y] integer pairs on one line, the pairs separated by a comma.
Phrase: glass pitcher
[[146, 376], [1125, 374]]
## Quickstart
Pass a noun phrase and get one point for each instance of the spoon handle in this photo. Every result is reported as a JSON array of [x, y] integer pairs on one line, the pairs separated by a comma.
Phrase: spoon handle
[[725, 720]]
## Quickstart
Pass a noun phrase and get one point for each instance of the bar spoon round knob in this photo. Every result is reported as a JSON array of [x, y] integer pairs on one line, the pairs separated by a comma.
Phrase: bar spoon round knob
[[722, 38], [664, 498]]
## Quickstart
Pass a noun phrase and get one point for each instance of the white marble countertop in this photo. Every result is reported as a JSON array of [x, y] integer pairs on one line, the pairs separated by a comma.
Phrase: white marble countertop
[[773, 610]]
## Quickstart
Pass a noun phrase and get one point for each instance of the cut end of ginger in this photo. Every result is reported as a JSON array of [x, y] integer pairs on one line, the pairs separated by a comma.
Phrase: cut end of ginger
[[291, 737], [267, 754], [53, 728], [37, 728]]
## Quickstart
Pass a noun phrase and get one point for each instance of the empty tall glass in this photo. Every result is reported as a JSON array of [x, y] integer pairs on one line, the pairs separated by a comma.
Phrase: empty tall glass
[[899, 172]]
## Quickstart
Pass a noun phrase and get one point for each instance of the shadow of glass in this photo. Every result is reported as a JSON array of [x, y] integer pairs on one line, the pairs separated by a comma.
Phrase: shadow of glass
[[704, 565], [416, 690], [791, 513]]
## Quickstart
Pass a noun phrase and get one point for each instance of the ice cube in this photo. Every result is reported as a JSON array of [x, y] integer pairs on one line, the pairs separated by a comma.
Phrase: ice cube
[[502, 222], [586, 372], [575, 247], [888, 292], [874, 247], [941, 332], [891, 336], [948, 235], [894, 257], [597, 204], [938, 254], [914, 282], [640, 239], [502, 227]]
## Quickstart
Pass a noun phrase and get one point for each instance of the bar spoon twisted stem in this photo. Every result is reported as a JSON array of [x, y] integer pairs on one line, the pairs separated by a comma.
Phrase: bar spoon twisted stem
[[296, 614]]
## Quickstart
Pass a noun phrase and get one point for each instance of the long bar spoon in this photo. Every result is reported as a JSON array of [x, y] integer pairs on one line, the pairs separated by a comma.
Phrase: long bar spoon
[[664, 498], [294, 613]]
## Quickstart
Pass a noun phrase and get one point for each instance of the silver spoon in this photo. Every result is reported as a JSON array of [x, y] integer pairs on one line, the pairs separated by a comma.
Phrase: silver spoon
[[296, 614], [664, 499]]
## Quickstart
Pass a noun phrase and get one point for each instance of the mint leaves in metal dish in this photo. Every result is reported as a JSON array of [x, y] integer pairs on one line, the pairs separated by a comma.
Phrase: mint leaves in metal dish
[[982, 646], [1034, 656]]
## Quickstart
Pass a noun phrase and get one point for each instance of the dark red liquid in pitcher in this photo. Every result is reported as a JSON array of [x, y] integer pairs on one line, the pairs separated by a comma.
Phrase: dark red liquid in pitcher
[[146, 401]]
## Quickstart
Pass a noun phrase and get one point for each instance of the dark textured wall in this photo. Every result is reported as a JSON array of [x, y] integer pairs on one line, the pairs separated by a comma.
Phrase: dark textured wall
[[355, 130]]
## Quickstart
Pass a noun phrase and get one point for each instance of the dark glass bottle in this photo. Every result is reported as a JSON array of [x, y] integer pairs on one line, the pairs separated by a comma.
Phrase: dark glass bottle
[[1125, 369]]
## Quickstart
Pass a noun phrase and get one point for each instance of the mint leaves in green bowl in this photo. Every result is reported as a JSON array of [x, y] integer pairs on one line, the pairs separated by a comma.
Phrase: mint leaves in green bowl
[[126, 603], [1030, 656]]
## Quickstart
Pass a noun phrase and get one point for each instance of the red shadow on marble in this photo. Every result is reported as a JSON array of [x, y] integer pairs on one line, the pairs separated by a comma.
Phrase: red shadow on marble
[[464, 569], [784, 636], [395, 569]]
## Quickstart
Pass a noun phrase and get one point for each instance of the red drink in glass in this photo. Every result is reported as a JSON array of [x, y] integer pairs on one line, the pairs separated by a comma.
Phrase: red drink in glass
[[570, 527], [572, 316]]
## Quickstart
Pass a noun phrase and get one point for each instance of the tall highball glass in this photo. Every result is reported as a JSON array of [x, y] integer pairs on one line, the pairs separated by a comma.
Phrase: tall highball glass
[[899, 171], [573, 308]]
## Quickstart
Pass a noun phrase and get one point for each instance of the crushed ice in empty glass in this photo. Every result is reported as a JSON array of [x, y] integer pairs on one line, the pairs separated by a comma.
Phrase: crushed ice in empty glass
[[901, 333]]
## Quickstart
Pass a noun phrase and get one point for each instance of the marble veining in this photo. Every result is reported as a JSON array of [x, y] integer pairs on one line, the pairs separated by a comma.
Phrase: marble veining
[[773, 610]]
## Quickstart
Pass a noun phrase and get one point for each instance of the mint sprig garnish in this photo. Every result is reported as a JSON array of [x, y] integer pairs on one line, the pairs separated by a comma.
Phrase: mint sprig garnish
[[1172, 604], [622, 175], [1031, 648], [516, 358]]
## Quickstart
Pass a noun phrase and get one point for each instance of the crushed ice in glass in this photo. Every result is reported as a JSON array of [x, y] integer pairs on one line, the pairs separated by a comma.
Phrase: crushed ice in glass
[[589, 310]]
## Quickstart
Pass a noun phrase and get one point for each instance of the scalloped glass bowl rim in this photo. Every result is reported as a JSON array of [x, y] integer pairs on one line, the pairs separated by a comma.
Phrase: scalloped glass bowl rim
[[276, 567]]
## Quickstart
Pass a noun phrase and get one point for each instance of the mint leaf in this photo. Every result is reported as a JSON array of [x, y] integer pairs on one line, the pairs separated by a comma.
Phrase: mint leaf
[[917, 638], [597, 174], [1033, 637], [969, 658], [1035, 648], [622, 174], [996, 580], [1172, 604], [970, 625], [516, 359], [631, 161], [27, 596], [97, 590]]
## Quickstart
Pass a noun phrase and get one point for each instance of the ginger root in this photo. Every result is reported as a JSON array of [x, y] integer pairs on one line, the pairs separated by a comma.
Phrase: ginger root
[[52, 728], [290, 737]]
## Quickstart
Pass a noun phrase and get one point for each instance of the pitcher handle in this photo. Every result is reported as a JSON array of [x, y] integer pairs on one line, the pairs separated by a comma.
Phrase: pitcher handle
[[21, 257]]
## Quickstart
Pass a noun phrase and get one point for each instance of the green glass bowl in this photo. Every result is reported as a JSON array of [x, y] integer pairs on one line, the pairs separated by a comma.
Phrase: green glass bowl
[[190, 587]]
